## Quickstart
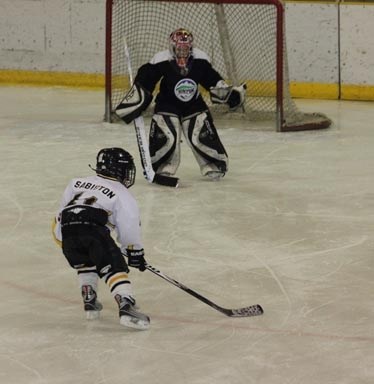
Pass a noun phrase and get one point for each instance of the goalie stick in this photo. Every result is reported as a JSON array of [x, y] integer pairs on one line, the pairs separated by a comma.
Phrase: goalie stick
[[145, 156], [252, 310]]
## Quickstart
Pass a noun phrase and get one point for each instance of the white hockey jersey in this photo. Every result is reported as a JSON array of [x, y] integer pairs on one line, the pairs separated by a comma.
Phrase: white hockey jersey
[[113, 197]]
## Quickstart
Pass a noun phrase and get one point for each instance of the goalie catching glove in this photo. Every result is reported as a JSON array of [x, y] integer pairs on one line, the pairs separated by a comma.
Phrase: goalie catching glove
[[224, 94], [136, 258], [134, 103]]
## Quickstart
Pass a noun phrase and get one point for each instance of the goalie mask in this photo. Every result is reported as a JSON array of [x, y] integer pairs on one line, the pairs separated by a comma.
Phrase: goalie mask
[[181, 42], [118, 164]]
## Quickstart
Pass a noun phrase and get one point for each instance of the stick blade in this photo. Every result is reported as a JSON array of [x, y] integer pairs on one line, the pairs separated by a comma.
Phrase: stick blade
[[253, 310], [168, 181]]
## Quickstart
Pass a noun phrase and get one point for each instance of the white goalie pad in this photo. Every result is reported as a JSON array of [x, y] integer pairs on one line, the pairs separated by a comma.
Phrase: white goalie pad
[[168, 155], [134, 103], [205, 155]]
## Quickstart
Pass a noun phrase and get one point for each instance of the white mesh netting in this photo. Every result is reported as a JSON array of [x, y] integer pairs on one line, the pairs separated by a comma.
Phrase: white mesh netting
[[240, 38]]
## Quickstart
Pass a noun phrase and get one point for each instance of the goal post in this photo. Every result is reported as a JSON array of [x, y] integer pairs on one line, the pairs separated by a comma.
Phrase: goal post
[[245, 40]]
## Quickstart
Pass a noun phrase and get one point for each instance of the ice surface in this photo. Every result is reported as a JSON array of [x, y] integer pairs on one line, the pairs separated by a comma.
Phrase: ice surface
[[289, 227]]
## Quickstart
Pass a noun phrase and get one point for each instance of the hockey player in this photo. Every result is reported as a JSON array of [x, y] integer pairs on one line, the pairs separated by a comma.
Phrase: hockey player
[[180, 107], [90, 209]]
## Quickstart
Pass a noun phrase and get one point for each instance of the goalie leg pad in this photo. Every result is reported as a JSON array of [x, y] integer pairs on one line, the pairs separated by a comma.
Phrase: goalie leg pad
[[164, 143], [203, 139], [134, 103]]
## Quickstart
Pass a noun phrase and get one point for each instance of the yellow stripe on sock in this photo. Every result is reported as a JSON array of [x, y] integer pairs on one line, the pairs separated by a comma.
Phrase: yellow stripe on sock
[[117, 277]]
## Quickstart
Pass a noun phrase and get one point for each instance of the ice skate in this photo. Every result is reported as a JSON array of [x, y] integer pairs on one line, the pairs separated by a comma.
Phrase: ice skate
[[212, 172], [215, 175], [129, 316], [92, 306]]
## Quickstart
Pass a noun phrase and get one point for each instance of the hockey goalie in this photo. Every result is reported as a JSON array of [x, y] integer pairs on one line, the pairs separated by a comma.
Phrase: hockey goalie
[[179, 106]]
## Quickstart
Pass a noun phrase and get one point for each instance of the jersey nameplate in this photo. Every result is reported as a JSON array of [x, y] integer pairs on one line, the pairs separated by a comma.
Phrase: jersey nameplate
[[94, 187]]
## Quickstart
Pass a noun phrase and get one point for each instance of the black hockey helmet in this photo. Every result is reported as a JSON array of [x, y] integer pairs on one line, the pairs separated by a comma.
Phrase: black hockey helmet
[[116, 163]]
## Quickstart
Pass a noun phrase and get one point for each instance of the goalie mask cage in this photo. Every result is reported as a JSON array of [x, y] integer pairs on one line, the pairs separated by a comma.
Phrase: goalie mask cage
[[244, 39]]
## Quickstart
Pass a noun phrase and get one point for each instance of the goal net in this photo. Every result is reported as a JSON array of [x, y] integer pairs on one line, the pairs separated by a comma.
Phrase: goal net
[[245, 40]]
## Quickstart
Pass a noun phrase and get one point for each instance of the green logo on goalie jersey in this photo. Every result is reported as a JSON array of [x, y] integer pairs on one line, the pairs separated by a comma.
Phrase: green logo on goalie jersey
[[185, 90]]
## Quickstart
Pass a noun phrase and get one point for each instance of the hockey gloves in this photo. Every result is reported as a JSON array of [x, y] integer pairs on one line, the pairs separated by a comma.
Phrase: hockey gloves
[[136, 259], [135, 102], [224, 94], [237, 97]]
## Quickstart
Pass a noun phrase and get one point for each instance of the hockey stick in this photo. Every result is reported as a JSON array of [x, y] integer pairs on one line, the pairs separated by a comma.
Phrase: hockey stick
[[252, 310], [145, 156]]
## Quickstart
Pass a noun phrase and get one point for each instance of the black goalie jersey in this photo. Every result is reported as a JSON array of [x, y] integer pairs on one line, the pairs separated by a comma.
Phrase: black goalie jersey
[[179, 94]]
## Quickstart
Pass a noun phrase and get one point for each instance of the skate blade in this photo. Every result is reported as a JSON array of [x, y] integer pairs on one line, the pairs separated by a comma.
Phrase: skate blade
[[215, 176], [92, 315], [131, 322]]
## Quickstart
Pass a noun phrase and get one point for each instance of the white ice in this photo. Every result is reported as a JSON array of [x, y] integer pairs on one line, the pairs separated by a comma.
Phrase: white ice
[[290, 227]]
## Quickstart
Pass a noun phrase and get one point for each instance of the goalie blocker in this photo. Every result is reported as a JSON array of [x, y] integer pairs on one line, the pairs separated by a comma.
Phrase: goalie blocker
[[134, 103], [222, 93]]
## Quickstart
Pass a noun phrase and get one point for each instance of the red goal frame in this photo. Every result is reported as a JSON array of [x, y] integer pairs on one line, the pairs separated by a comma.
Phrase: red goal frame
[[280, 123]]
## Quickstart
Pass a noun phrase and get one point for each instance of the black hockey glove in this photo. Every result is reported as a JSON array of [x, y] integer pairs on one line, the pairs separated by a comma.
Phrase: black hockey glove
[[136, 259], [224, 94], [135, 102], [236, 97]]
